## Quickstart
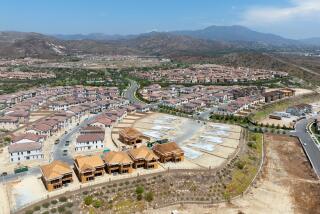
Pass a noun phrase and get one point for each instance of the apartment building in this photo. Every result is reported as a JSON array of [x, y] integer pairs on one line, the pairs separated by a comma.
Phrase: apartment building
[[90, 141], [9, 123], [25, 151]]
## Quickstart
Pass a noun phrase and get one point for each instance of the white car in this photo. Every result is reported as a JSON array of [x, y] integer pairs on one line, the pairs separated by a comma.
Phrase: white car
[[305, 144]]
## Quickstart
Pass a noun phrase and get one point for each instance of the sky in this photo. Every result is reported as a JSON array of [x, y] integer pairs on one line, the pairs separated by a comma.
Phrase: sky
[[288, 18]]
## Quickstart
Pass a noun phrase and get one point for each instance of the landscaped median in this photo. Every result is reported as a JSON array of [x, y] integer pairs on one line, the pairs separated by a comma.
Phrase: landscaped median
[[313, 130]]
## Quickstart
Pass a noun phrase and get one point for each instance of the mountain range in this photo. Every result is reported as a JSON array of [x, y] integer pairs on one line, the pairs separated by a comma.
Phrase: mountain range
[[208, 41], [233, 33]]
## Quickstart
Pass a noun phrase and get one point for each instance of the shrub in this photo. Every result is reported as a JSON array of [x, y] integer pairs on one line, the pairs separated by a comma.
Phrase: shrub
[[63, 199], [139, 197], [36, 208], [240, 164], [54, 202], [69, 204], [68, 212], [253, 137], [88, 200], [53, 210], [46, 205], [252, 145], [45, 212], [29, 212], [97, 203], [61, 209], [149, 196], [139, 190]]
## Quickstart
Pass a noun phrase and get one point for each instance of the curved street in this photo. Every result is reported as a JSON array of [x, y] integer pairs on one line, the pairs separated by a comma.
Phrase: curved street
[[308, 144], [130, 92]]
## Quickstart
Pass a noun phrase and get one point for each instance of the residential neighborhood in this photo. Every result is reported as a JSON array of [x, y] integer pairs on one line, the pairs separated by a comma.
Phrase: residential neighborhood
[[209, 73], [226, 100], [160, 107]]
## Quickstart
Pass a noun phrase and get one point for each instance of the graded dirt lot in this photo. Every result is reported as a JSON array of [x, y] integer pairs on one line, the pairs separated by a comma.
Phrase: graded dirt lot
[[287, 184]]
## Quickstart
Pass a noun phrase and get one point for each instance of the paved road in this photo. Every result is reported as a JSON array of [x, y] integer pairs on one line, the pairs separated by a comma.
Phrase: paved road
[[57, 153], [129, 94], [58, 149], [308, 144], [206, 114]]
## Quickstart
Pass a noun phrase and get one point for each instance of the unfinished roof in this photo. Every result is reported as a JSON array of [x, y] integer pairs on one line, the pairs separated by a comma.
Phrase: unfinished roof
[[168, 149], [88, 163], [55, 170], [130, 133], [142, 153], [114, 158]]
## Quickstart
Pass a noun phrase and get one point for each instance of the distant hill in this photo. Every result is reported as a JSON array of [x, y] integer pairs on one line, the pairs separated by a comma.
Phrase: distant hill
[[236, 33], [20, 44], [42, 46], [311, 41], [206, 42], [169, 44], [93, 36]]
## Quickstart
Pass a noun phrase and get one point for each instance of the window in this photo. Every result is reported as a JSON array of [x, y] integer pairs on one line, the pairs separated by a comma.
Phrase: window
[[28, 152]]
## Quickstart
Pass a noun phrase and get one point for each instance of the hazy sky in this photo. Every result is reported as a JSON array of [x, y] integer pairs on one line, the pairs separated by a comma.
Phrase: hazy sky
[[290, 18]]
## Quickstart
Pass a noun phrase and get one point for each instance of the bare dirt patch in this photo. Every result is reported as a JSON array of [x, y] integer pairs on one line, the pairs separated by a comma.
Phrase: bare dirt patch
[[287, 184], [301, 180]]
